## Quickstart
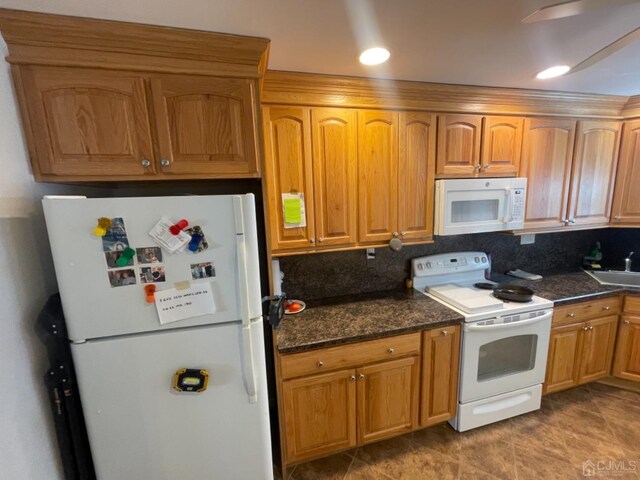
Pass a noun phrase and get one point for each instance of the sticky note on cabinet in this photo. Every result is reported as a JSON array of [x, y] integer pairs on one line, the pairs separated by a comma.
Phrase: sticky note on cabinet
[[292, 210]]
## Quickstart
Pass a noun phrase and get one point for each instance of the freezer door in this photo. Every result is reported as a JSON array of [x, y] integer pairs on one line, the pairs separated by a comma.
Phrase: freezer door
[[95, 309], [140, 428]]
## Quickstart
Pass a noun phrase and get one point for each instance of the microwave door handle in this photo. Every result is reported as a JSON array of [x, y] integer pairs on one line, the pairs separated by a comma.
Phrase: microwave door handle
[[507, 216]]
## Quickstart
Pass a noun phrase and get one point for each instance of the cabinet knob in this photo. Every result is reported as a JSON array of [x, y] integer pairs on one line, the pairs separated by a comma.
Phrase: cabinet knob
[[572, 221], [617, 217], [626, 322], [590, 327], [312, 240], [164, 162], [403, 233], [571, 315], [320, 364], [145, 163], [478, 167], [487, 166], [444, 333], [565, 221], [320, 239], [391, 350], [585, 327], [352, 378], [606, 308], [395, 234], [361, 376]]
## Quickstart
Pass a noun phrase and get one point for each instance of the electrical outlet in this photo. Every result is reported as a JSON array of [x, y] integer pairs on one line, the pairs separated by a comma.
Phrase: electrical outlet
[[527, 239], [371, 253]]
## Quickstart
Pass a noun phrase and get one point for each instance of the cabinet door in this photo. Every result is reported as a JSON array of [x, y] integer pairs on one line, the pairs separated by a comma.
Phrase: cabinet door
[[440, 361], [334, 132], [597, 348], [626, 363], [458, 145], [288, 169], [377, 175], [320, 414], [388, 399], [594, 167], [626, 202], [501, 146], [206, 125], [546, 162], [417, 148], [88, 123], [563, 361]]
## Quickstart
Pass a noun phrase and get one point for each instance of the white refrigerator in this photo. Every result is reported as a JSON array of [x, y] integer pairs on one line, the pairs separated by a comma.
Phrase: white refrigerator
[[142, 420]]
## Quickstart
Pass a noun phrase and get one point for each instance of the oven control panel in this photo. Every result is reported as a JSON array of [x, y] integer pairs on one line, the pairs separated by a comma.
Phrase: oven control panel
[[445, 263]]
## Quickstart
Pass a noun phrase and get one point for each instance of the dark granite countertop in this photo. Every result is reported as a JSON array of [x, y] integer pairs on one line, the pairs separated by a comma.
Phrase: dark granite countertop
[[361, 317], [366, 316]]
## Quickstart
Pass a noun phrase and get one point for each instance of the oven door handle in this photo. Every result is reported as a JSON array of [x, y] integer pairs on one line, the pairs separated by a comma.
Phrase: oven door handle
[[488, 328]]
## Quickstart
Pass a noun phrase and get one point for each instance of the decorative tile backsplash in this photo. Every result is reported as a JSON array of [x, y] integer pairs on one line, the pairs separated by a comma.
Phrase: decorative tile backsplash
[[325, 275]]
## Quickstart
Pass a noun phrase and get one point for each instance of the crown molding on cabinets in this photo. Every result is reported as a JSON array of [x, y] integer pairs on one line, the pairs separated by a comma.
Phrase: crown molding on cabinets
[[44, 39], [290, 88], [632, 107]]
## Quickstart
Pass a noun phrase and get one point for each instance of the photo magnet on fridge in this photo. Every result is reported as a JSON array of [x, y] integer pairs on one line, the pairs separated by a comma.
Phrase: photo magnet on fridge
[[115, 239], [122, 278], [149, 255]]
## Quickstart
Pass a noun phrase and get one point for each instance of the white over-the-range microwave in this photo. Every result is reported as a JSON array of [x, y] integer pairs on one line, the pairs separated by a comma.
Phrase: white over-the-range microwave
[[477, 205]]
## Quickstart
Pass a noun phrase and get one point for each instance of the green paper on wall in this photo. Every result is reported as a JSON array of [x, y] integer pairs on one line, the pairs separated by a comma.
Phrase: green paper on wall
[[292, 210]]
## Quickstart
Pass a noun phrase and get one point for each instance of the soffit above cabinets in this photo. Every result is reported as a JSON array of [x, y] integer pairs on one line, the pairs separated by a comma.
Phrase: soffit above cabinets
[[480, 42]]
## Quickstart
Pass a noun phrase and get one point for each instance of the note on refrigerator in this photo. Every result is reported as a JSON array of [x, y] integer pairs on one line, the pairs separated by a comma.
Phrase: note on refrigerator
[[174, 305]]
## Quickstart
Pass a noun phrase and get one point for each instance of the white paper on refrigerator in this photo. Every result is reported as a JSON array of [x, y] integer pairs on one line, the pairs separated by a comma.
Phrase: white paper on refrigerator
[[174, 305]]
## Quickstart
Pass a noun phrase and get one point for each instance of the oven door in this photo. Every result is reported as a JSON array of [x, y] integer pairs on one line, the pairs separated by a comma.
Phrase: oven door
[[503, 357]]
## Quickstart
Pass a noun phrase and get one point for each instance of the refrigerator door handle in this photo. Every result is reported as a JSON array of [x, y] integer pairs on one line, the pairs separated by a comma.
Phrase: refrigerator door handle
[[248, 363]]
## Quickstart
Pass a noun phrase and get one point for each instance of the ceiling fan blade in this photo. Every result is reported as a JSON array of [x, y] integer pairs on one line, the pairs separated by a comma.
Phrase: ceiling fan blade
[[610, 49], [569, 9]]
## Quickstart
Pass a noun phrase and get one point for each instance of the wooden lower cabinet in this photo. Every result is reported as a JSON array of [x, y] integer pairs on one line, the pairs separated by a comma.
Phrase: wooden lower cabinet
[[387, 398], [320, 414], [626, 364], [582, 351], [440, 365], [373, 392]]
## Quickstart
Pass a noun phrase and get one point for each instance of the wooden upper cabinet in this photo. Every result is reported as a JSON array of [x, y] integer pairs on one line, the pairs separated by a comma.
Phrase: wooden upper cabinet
[[594, 167], [288, 169], [626, 202], [334, 140], [459, 145], [416, 169], [206, 125], [501, 145], [387, 397], [86, 123], [378, 175], [546, 162]]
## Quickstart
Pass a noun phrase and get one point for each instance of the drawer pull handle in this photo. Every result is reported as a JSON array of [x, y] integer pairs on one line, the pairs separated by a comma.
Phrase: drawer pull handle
[[444, 333], [361, 376], [352, 378], [320, 364], [585, 327], [606, 308], [590, 327], [571, 315], [391, 350]]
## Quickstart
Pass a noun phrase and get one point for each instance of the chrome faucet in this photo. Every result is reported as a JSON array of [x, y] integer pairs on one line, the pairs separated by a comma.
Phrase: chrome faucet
[[627, 263]]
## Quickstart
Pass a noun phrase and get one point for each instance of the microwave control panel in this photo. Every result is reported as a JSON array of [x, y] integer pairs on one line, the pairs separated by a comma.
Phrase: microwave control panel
[[517, 205]]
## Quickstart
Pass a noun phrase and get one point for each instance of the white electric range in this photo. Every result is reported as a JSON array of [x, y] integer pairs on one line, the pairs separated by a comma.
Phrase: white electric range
[[504, 344]]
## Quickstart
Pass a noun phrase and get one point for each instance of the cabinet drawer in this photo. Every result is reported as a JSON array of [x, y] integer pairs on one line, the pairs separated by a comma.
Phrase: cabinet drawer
[[632, 304], [585, 310], [344, 356]]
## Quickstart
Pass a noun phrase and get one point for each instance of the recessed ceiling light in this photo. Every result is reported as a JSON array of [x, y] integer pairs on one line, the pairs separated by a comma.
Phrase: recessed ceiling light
[[551, 72], [374, 56]]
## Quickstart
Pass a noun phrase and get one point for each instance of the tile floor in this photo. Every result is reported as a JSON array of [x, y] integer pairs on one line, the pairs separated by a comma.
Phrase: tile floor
[[593, 422]]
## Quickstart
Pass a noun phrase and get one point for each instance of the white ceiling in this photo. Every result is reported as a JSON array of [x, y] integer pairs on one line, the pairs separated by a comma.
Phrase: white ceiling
[[472, 42]]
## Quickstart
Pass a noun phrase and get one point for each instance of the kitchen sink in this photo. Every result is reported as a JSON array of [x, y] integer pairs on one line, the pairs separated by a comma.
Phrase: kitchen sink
[[612, 277]]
